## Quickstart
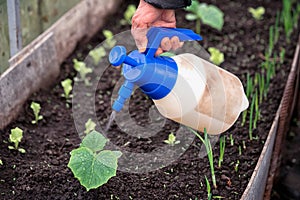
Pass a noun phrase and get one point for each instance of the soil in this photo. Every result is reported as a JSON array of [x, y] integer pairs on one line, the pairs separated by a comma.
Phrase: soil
[[42, 172]]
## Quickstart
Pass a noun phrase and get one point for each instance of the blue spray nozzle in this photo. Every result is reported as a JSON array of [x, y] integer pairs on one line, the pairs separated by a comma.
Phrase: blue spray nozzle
[[118, 56], [156, 76]]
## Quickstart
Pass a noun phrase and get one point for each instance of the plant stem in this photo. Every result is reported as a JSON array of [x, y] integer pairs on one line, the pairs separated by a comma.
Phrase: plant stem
[[198, 26], [209, 151]]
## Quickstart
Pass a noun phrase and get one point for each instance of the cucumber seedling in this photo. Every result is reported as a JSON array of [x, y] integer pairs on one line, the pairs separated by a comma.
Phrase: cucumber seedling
[[15, 137], [128, 15], [257, 13], [206, 14], [171, 140], [216, 56], [36, 108], [89, 126], [110, 42], [91, 164], [97, 54], [67, 86]]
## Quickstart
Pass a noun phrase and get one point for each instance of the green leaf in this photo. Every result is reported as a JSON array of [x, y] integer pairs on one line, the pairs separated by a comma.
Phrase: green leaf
[[168, 54], [21, 150], [67, 86], [191, 17], [1, 163], [16, 136], [110, 42], [129, 14], [97, 54], [89, 126], [216, 57], [81, 68], [36, 107], [94, 141], [257, 13], [193, 8], [211, 15], [92, 170]]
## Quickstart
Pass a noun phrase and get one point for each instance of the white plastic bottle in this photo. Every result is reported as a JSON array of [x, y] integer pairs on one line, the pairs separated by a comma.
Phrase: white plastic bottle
[[204, 96]]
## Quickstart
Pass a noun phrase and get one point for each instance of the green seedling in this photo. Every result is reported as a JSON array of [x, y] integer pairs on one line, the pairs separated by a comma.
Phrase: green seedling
[[236, 166], [206, 14], [128, 15], [276, 28], [97, 54], [282, 55], [15, 137], [240, 150], [171, 140], [67, 86], [91, 164], [251, 117], [1, 162], [110, 42], [36, 108], [257, 13], [89, 126], [83, 70], [208, 189], [271, 40], [222, 150], [287, 18], [216, 56], [209, 152], [231, 140]]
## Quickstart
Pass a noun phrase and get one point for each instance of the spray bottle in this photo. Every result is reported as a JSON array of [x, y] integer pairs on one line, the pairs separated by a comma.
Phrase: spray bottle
[[185, 88]]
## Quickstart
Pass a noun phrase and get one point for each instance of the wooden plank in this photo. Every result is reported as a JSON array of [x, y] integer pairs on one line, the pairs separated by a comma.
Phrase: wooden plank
[[35, 69]]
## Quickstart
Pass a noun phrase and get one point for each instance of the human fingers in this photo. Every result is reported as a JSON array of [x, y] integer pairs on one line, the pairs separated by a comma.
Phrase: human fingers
[[140, 38], [165, 44]]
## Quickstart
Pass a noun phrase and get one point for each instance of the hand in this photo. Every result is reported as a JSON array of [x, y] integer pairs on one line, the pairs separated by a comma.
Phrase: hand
[[147, 16]]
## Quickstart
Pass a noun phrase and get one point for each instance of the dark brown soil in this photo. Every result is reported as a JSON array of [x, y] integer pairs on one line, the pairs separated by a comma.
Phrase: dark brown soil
[[42, 172]]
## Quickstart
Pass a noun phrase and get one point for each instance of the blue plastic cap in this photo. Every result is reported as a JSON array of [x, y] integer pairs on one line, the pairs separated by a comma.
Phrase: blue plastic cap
[[117, 55]]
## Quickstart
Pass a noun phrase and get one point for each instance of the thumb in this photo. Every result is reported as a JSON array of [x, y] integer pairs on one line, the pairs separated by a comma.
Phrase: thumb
[[139, 35]]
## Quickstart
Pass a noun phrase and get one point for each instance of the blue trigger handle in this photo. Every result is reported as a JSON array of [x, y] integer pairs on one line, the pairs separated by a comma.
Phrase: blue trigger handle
[[156, 34]]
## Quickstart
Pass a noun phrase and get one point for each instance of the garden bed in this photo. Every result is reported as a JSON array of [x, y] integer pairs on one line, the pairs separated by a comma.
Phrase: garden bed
[[42, 172]]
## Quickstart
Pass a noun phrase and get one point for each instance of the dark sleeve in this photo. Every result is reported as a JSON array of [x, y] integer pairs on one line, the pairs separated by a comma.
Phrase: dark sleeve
[[169, 4]]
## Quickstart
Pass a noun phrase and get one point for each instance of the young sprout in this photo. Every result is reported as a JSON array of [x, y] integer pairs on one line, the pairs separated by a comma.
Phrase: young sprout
[[282, 55], [271, 40], [82, 69], [209, 152], [208, 189], [171, 140], [257, 13], [231, 140], [236, 166], [67, 86], [287, 18], [222, 150], [128, 15], [36, 108], [110, 42], [1, 162], [240, 150], [89, 126], [91, 164], [251, 117], [203, 13], [97, 54], [15, 137], [216, 56]]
